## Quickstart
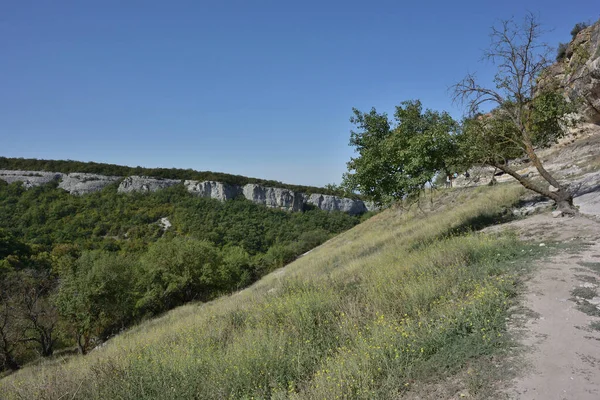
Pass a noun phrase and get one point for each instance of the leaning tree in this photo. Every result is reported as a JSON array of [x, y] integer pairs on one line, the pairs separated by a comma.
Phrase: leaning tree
[[524, 116]]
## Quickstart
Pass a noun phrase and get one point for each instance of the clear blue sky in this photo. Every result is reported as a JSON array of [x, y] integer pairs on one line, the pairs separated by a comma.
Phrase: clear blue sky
[[257, 88]]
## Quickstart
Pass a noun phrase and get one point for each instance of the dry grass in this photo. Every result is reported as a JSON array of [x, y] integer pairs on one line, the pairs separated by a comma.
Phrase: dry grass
[[402, 299]]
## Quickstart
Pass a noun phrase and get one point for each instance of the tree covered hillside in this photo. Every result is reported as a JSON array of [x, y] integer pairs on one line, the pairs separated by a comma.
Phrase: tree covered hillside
[[77, 269]]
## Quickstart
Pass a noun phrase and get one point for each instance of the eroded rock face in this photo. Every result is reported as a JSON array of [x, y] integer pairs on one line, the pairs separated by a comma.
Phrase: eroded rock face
[[79, 183], [333, 203], [578, 74], [30, 178], [284, 199], [145, 184], [214, 190]]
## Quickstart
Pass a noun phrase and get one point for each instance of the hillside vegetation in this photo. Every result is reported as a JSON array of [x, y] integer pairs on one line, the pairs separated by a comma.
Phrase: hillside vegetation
[[401, 300], [78, 269]]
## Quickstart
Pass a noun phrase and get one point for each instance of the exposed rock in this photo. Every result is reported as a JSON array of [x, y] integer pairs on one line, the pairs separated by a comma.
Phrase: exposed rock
[[145, 184], [334, 203], [588, 204], [274, 197], [81, 183], [533, 207], [214, 190], [557, 213], [371, 206], [164, 223], [578, 74], [29, 178]]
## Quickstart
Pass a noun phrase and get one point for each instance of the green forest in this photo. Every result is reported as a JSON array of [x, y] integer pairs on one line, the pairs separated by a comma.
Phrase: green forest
[[76, 270]]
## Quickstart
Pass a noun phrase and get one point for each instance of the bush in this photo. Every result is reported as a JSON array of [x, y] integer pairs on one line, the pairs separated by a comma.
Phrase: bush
[[561, 51], [176, 271], [236, 270]]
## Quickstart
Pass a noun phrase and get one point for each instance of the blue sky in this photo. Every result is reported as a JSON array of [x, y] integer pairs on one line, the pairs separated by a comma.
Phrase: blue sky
[[256, 88]]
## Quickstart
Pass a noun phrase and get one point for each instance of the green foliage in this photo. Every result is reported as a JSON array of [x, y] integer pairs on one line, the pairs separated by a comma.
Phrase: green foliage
[[495, 138], [561, 51], [115, 265], [398, 158], [96, 294], [178, 270], [368, 316], [549, 117], [526, 116]]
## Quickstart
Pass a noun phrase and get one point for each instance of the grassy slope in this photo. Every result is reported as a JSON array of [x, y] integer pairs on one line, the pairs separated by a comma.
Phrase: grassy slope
[[396, 301]]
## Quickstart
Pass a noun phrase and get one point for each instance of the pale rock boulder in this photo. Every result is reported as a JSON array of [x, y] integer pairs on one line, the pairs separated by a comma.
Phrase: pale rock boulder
[[284, 199], [333, 203], [371, 206], [79, 183], [214, 190], [145, 184], [29, 178]]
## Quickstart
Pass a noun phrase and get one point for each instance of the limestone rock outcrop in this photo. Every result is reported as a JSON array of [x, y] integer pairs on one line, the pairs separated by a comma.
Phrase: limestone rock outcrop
[[214, 190], [284, 199], [578, 73], [145, 184], [333, 203], [29, 178], [78, 183], [81, 183]]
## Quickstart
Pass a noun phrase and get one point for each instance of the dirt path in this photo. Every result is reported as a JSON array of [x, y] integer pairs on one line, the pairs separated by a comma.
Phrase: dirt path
[[560, 329]]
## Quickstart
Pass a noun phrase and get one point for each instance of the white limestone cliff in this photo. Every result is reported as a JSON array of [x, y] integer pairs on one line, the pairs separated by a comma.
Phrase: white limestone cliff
[[145, 184], [78, 183]]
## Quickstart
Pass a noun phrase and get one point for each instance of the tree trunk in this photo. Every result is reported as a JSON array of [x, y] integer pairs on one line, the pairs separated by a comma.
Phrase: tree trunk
[[562, 197], [538, 165], [564, 202]]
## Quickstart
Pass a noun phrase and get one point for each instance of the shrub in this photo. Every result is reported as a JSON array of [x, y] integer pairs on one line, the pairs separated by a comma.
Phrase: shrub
[[176, 271], [561, 51]]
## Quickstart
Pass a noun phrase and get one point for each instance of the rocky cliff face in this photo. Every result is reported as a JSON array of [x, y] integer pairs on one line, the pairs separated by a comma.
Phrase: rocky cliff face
[[285, 199], [145, 184], [332, 203], [578, 73], [214, 190], [274, 197], [30, 178], [81, 183]]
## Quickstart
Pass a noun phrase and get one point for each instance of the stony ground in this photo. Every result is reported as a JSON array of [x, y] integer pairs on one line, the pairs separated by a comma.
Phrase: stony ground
[[559, 324]]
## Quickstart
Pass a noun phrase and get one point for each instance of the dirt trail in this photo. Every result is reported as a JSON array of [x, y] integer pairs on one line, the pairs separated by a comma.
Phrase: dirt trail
[[560, 331]]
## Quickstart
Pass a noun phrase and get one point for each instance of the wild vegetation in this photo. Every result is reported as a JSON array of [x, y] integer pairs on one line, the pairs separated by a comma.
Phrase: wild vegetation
[[77, 269], [408, 298], [398, 159], [398, 301], [561, 51]]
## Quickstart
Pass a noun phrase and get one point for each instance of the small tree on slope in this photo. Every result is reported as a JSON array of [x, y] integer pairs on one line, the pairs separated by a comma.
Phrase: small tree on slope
[[398, 158], [525, 117]]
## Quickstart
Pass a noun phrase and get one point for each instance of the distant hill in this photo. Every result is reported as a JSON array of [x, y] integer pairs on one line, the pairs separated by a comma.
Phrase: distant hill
[[69, 166]]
